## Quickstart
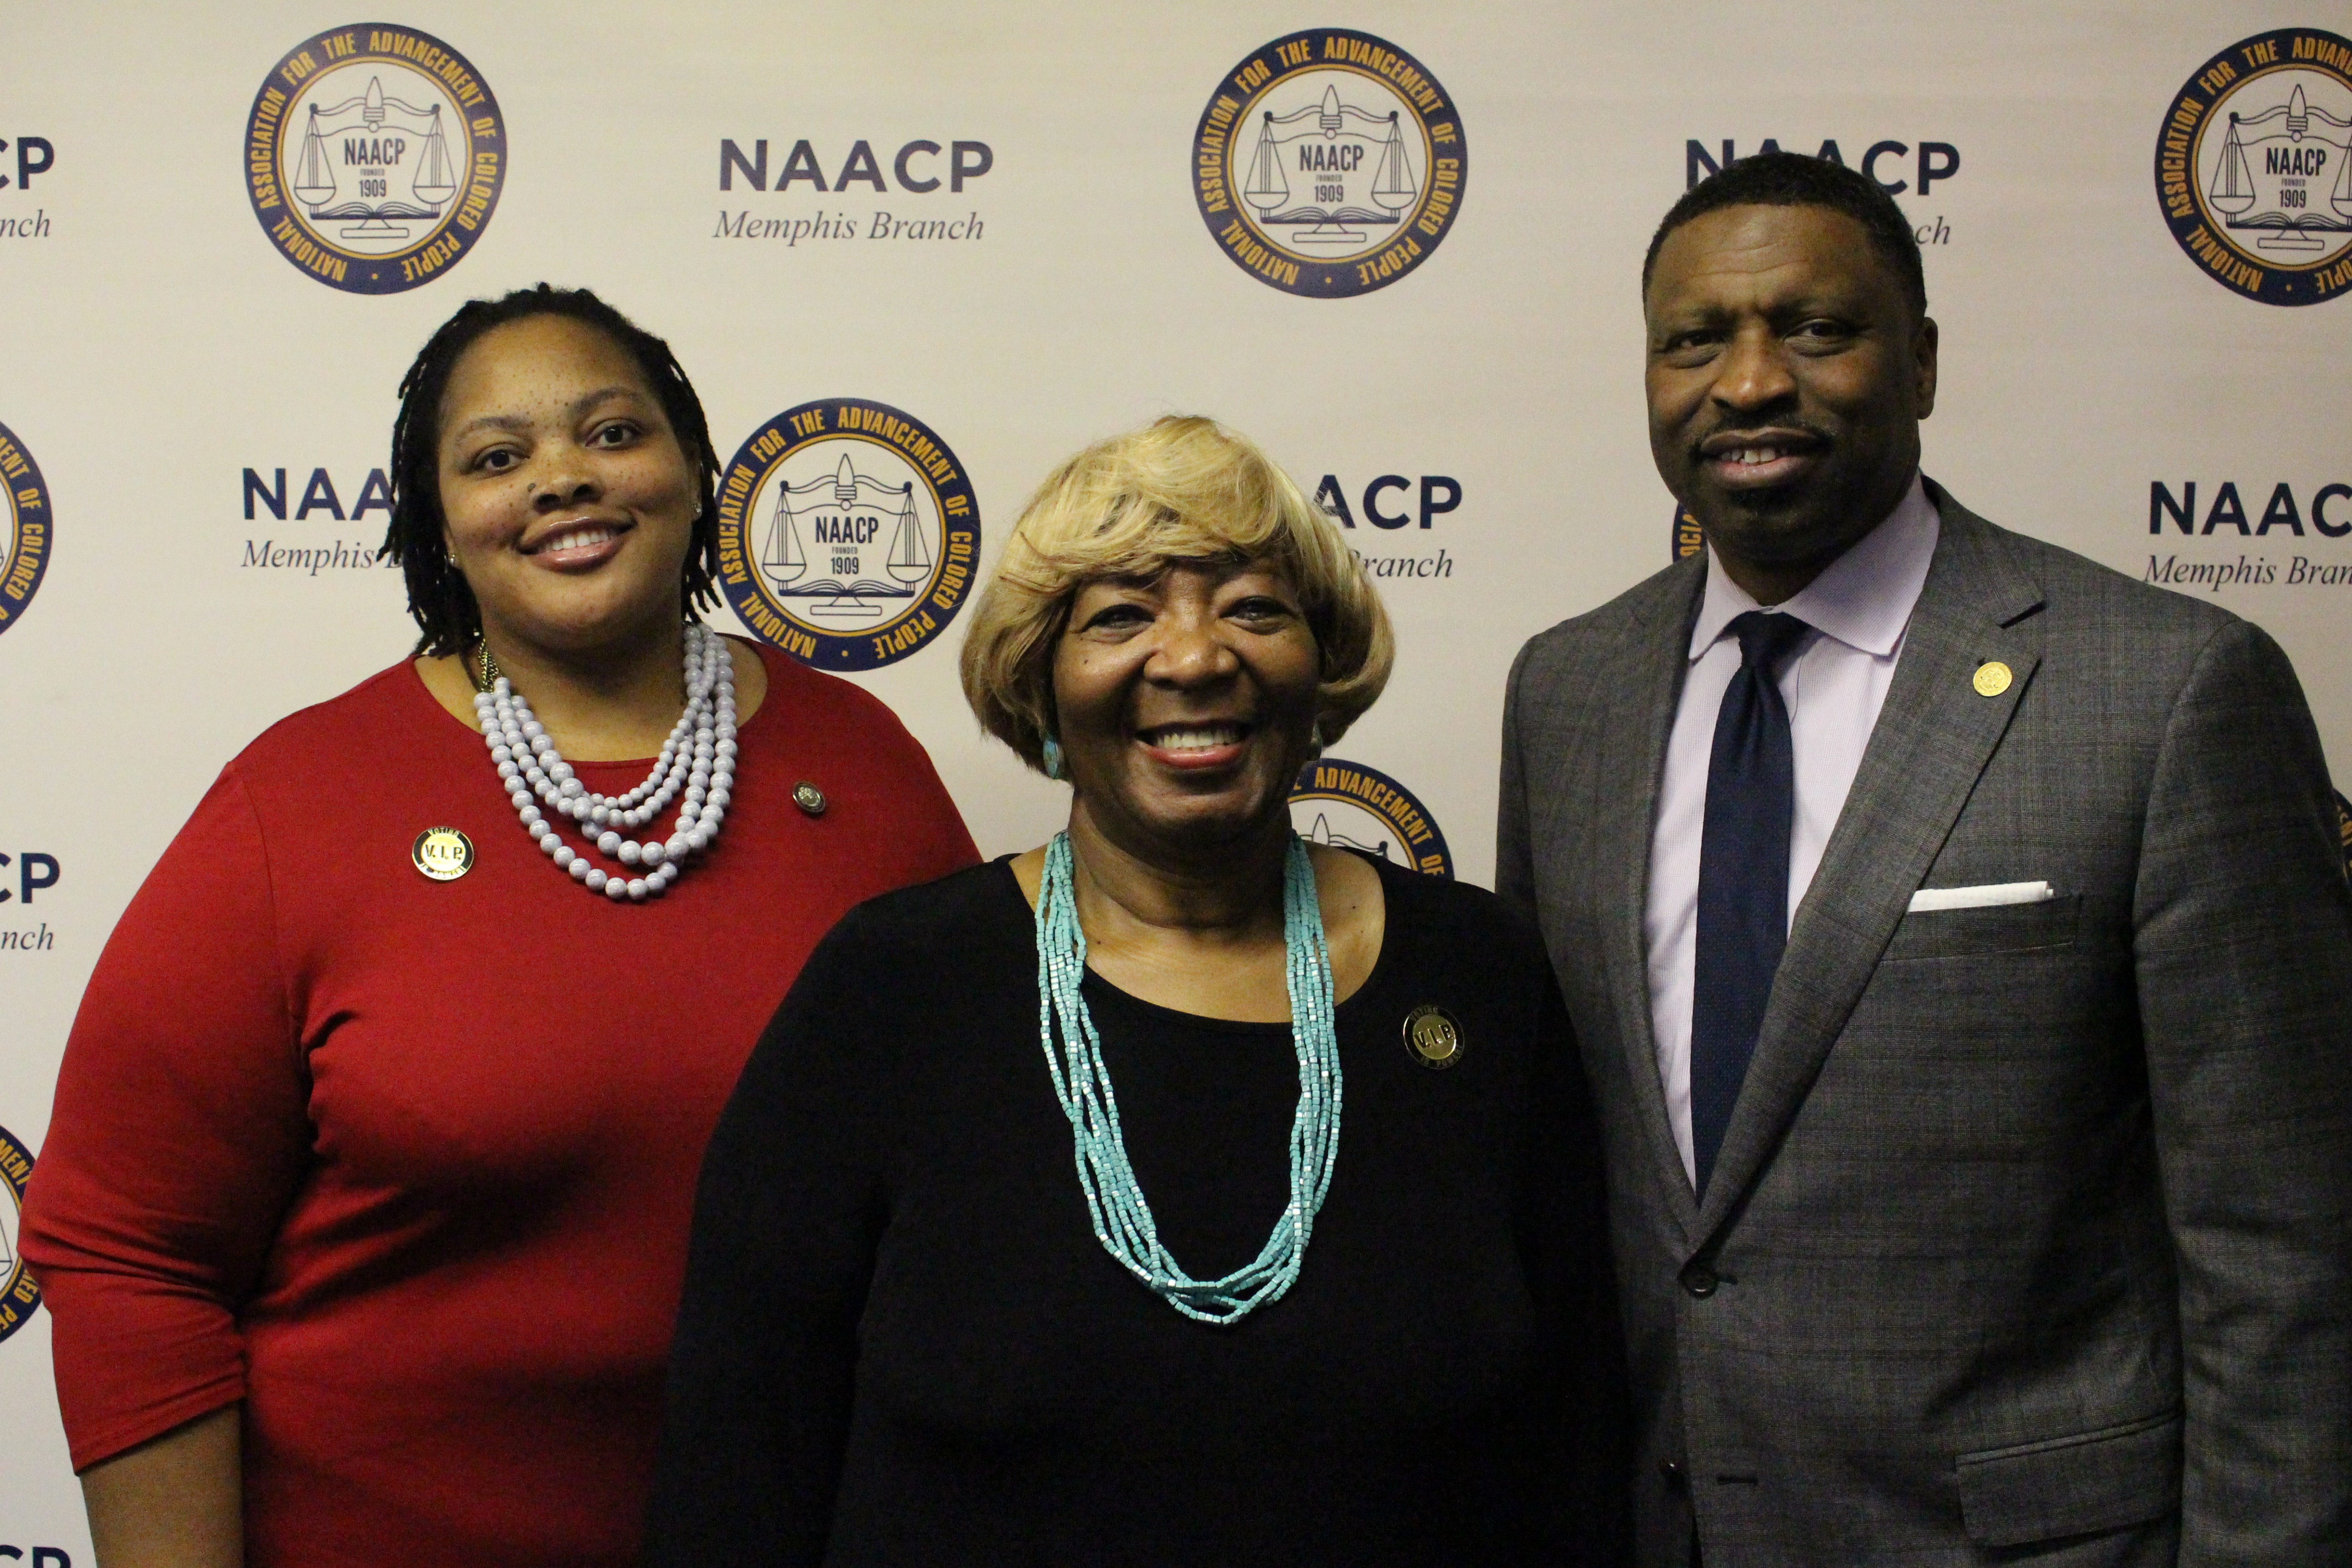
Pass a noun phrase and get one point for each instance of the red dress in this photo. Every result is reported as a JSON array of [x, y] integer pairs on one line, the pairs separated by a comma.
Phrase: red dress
[[408, 1165]]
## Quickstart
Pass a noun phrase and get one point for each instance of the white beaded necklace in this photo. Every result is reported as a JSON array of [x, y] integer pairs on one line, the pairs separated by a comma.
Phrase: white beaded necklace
[[698, 759]]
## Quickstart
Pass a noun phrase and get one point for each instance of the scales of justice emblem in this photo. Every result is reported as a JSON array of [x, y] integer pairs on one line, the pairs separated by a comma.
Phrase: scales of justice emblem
[[848, 533], [1351, 167], [396, 166], [869, 544], [2253, 166], [1330, 163], [373, 157], [2272, 175]]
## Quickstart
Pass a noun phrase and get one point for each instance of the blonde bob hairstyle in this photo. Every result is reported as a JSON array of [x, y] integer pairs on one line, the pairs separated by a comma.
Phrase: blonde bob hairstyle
[[1181, 489]]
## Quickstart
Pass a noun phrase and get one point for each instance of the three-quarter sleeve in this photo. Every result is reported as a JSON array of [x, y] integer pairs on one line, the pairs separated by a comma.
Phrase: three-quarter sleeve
[[786, 1221], [180, 1130]]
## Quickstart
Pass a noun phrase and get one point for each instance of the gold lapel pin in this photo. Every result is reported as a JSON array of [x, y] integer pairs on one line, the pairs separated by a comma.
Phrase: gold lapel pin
[[1433, 1036], [1991, 679], [445, 854], [809, 797]]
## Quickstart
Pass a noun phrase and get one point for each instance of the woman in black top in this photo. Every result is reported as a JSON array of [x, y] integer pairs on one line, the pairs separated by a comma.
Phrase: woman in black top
[[921, 1324]]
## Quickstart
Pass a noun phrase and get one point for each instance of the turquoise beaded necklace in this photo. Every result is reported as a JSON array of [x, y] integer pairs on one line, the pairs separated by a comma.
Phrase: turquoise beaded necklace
[[1122, 1219]]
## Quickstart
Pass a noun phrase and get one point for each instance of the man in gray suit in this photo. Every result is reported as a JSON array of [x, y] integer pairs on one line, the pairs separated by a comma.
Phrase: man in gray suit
[[1960, 956]]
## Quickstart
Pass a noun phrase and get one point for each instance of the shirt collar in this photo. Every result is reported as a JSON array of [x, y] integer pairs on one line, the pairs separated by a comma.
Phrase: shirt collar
[[1863, 598]]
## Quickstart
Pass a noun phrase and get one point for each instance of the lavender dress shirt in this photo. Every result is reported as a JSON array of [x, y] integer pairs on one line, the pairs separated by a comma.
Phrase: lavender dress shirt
[[1835, 686]]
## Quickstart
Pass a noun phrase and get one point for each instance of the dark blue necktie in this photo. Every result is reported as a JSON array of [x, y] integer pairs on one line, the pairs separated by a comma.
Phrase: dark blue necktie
[[1743, 877]]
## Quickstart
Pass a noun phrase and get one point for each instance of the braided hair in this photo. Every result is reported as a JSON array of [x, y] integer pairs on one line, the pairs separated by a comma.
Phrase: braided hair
[[439, 599]]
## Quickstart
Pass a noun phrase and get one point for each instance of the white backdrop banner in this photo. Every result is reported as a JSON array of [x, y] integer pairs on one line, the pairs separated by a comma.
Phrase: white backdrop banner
[[913, 255]]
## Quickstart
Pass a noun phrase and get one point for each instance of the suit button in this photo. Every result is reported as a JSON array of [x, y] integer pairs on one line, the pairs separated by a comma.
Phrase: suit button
[[1672, 1469], [1700, 1280]]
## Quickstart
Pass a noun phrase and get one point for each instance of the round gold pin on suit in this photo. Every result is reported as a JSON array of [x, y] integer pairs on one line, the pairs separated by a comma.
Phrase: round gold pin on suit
[[809, 797], [1433, 1036], [445, 854], [1992, 678]]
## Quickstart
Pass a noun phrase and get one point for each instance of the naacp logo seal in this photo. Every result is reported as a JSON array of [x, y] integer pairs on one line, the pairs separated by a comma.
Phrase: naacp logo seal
[[373, 157], [2253, 166], [1689, 539], [20, 1292], [847, 533], [1330, 163], [23, 527], [1359, 807]]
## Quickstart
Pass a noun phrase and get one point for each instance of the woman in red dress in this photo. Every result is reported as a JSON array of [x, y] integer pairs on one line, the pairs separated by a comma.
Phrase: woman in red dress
[[363, 1213]]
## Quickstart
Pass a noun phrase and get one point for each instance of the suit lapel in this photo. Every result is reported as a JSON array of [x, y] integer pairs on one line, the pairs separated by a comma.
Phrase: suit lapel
[[1933, 738], [1645, 686]]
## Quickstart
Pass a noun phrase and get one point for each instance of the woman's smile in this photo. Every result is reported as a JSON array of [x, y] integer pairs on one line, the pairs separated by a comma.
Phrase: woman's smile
[[580, 544], [1196, 746]]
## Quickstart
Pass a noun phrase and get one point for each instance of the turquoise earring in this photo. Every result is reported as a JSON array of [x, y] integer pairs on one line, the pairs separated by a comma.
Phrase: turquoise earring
[[1053, 751]]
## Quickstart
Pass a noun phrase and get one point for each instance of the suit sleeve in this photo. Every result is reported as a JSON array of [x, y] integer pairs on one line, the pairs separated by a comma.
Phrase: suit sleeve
[[181, 1127], [2243, 956], [786, 1222], [1515, 867]]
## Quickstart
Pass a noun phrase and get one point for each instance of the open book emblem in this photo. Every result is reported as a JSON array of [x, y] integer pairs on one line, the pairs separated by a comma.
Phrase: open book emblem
[[846, 538]]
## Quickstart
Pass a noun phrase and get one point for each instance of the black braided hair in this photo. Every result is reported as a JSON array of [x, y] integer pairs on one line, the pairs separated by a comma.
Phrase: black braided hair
[[438, 597]]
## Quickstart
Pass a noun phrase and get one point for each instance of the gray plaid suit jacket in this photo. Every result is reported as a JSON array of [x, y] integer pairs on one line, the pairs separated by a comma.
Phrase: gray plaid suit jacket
[[2031, 1234]]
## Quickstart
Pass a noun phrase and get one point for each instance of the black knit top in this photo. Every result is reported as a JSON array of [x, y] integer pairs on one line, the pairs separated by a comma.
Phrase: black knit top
[[901, 1342]]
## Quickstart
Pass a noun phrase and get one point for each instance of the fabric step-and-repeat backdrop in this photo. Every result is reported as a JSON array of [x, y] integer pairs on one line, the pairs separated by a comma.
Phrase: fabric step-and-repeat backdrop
[[915, 253]]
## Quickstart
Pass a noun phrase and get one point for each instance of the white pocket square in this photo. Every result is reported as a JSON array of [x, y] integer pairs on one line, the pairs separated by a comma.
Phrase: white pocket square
[[1983, 896]]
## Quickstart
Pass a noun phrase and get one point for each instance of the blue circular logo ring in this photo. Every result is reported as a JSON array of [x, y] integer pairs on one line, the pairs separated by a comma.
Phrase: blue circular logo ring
[[848, 534], [27, 531], [1330, 163], [373, 157], [1355, 807], [20, 1293], [1689, 538], [2253, 166]]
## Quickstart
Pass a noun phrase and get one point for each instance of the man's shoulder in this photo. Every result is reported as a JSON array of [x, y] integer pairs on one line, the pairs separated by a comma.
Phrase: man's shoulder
[[2077, 597], [1651, 611], [2086, 605], [2075, 582]]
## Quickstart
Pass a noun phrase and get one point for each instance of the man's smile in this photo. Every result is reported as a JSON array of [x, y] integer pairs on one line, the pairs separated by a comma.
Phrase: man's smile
[[1760, 460]]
